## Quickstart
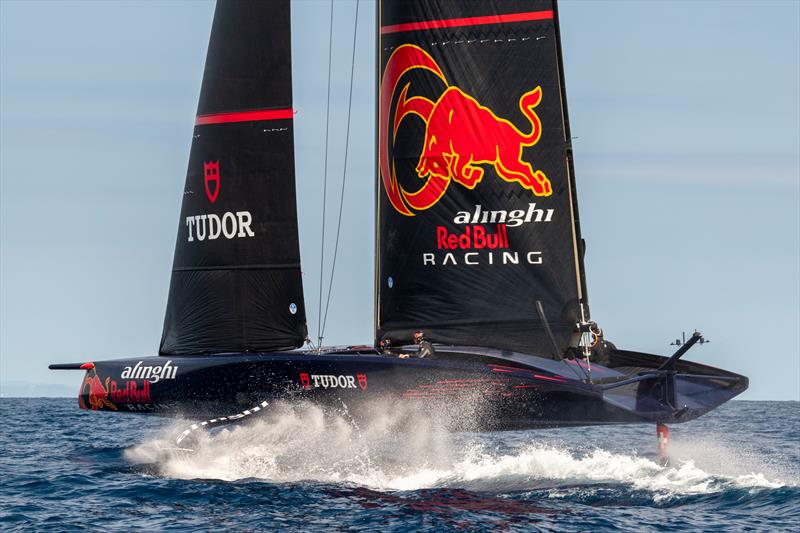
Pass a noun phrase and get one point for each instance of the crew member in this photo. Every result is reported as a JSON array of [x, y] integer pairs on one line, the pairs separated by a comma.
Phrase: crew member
[[386, 347], [425, 347]]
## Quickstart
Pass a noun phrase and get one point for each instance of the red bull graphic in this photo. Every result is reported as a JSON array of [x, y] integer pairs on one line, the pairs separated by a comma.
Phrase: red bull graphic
[[131, 392], [461, 135], [110, 394], [473, 237], [97, 392]]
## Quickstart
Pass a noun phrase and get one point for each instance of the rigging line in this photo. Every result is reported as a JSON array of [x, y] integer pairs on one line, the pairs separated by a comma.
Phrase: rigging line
[[325, 181], [344, 174]]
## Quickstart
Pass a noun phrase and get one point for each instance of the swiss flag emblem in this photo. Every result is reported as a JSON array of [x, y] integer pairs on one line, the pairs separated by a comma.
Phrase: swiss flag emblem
[[211, 179], [362, 381], [305, 381]]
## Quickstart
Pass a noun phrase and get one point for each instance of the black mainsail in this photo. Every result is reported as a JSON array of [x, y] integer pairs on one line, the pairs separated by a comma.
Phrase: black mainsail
[[477, 212], [236, 284]]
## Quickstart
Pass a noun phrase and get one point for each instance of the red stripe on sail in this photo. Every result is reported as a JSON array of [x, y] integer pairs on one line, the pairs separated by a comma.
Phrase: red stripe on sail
[[468, 21], [244, 116]]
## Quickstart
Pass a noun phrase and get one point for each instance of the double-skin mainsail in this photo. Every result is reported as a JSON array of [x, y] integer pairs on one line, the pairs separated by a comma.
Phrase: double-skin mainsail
[[477, 211]]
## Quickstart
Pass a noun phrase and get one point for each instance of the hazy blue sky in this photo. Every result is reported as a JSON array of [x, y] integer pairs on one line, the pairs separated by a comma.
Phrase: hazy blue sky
[[688, 123]]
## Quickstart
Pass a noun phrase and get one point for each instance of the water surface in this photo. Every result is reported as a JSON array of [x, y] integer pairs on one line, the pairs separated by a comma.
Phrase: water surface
[[62, 469]]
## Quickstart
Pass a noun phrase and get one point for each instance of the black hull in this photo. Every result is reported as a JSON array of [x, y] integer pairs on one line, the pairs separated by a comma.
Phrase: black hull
[[491, 390]]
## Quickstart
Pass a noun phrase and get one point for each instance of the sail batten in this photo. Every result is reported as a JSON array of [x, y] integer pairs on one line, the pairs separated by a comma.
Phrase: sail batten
[[236, 283], [477, 213]]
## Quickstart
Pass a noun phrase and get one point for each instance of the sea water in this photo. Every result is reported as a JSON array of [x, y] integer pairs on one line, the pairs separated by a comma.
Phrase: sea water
[[299, 469]]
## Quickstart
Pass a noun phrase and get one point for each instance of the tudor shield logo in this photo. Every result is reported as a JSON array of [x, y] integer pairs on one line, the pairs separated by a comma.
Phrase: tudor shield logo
[[333, 381], [211, 179], [212, 226]]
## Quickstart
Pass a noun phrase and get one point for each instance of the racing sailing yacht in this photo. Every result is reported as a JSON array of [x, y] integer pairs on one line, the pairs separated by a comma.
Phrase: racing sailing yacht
[[478, 241]]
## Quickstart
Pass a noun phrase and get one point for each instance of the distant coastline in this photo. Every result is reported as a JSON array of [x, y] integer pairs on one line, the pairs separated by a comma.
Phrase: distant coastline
[[27, 389]]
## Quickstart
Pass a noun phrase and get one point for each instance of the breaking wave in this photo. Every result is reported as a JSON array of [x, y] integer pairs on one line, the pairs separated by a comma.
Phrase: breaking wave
[[397, 450]]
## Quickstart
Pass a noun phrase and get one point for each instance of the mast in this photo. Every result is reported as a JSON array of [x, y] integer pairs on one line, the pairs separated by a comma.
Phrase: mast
[[376, 227], [236, 284], [477, 208], [578, 243]]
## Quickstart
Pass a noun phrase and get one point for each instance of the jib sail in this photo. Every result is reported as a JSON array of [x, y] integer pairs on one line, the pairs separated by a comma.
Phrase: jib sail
[[236, 283], [477, 214]]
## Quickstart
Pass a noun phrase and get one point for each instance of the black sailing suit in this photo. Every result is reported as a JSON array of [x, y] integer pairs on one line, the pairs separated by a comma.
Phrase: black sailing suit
[[426, 349]]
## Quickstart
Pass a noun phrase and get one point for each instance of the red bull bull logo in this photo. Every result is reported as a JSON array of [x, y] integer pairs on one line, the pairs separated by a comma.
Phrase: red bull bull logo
[[461, 137], [111, 394], [97, 391]]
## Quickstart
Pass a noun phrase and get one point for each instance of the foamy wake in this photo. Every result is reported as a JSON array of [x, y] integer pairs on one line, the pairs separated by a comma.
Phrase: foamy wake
[[296, 443]]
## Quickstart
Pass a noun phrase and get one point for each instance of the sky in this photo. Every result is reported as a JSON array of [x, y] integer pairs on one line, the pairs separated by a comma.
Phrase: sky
[[687, 156]]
